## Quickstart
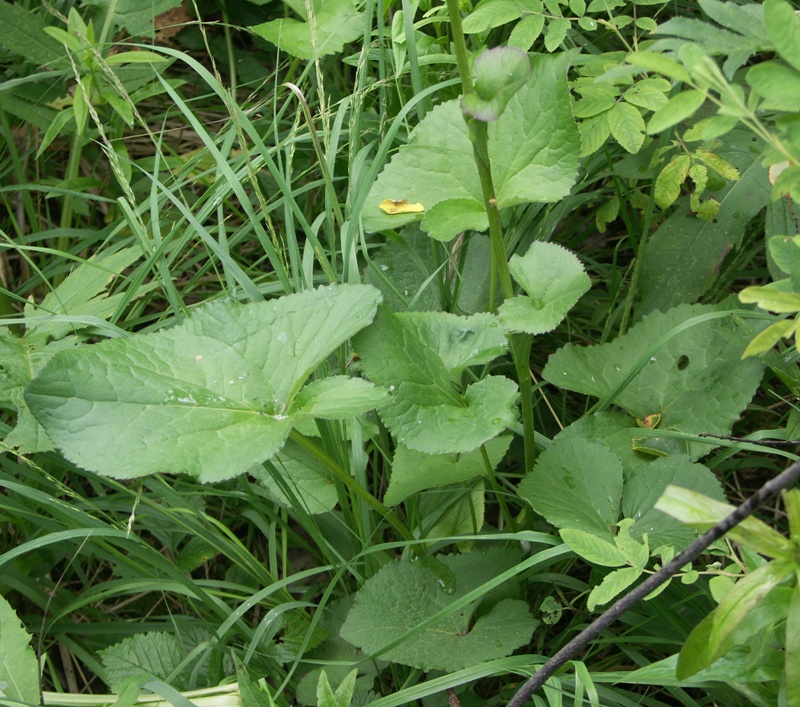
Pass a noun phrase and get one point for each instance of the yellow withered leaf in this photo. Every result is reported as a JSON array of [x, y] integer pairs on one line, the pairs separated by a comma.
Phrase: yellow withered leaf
[[392, 206]]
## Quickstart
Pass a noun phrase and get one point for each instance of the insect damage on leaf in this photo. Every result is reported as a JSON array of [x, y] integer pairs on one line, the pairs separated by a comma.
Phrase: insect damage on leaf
[[393, 206]]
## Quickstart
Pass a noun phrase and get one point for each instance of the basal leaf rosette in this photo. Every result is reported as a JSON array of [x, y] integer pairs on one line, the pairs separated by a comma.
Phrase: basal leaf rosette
[[419, 357], [210, 397], [533, 148], [553, 279]]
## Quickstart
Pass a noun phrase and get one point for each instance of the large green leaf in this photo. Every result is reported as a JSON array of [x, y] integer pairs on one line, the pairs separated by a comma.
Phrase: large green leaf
[[334, 23], [683, 256], [80, 301], [404, 594], [645, 486], [142, 657], [687, 381], [414, 471], [416, 356], [533, 149], [553, 279], [210, 397], [19, 669], [576, 483]]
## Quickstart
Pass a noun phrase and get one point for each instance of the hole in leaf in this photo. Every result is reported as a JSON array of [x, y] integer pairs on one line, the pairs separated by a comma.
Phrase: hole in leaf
[[683, 361]]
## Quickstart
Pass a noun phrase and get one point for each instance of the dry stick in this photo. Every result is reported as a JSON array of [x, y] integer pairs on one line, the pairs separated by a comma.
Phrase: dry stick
[[603, 621]]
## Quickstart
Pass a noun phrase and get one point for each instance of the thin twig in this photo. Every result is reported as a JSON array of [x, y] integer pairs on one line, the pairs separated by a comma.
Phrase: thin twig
[[780, 482]]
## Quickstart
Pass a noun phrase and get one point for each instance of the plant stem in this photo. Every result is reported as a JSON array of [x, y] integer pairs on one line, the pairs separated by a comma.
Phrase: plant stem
[[351, 483], [479, 135]]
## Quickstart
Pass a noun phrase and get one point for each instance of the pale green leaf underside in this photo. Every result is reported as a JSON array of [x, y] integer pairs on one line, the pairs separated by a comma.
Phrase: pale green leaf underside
[[211, 397], [533, 149], [687, 381], [403, 594], [19, 669], [415, 355], [335, 23]]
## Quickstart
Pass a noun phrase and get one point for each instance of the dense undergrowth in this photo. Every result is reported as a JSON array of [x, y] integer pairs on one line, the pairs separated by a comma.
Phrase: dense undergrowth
[[343, 362]]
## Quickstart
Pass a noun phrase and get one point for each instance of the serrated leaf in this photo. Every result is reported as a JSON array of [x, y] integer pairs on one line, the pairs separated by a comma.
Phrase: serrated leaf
[[668, 183], [777, 84], [785, 251], [414, 471], [555, 34], [134, 16], [144, 656], [783, 27], [554, 280], [493, 13], [594, 133], [678, 108], [595, 99], [613, 584], [334, 24], [687, 381], [416, 356], [437, 163], [23, 32], [526, 32], [627, 126], [645, 96], [499, 74], [403, 594], [210, 397], [572, 493], [591, 548], [19, 669], [578, 7]]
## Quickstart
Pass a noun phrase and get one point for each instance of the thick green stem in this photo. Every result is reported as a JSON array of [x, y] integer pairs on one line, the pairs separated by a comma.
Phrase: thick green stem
[[479, 135], [460, 44], [351, 484]]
